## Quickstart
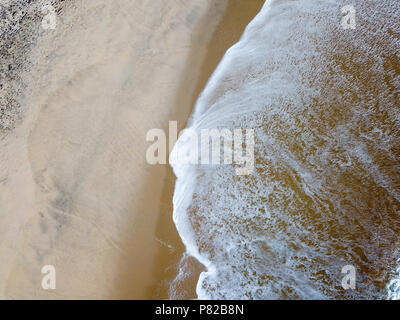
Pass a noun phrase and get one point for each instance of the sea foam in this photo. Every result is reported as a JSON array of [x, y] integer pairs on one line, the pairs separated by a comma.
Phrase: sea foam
[[325, 192]]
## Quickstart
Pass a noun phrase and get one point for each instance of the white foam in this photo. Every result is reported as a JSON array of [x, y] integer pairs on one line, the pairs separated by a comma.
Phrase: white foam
[[312, 91]]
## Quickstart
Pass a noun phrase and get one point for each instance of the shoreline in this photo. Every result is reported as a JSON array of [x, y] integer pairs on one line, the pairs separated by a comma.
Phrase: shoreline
[[92, 206], [237, 16]]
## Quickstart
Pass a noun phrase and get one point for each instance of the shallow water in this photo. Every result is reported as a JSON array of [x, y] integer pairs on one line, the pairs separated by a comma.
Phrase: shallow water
[[325, 192], [75, 190]]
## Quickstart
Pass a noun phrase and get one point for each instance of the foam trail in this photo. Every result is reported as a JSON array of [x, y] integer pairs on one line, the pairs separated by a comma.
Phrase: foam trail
[[325, 192]]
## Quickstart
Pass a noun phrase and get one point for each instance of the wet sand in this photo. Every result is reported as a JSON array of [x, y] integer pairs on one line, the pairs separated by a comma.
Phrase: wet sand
[[236, 17], [77, 191]]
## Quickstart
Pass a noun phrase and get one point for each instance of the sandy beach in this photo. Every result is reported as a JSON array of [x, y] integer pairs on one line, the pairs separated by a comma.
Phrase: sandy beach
[[76, 191]]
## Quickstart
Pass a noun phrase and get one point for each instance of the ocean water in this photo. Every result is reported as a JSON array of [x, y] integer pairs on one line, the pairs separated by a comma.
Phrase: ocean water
[[325, 190]]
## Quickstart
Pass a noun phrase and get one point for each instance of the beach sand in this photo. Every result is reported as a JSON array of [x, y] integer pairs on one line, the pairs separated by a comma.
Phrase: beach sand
[[76, 191]]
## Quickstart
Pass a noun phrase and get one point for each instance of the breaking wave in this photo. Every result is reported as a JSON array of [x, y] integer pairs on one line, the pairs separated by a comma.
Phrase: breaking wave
[[325, 192]]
